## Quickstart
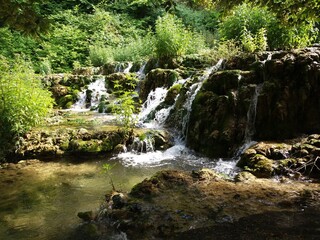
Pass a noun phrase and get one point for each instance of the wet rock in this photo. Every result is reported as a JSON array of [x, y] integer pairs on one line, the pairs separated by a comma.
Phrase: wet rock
[[87, 231], [219, 114], [294, 160], [119, 148], [157, 78], [119, 201], [244, 177], [258, 165], [186, 207], [172, 94], [206, 175], [87, 216]]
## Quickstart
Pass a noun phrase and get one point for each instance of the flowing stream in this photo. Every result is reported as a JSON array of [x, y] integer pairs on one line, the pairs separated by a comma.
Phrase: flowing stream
[[40, 200]]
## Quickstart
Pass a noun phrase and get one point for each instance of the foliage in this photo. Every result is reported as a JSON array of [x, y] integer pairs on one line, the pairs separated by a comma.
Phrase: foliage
[[136, 50], [222, 50], [252, 43], [23, 103], [289, 11], [65, 45], [199, 19], [173, 39], [125, 106], [253, 18], [106, 168], [100, 55], [24, 15]]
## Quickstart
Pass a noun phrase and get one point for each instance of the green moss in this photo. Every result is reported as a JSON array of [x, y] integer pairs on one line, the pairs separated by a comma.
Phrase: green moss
[[257, 164], [91, 146], [172, 94], [223, 81]]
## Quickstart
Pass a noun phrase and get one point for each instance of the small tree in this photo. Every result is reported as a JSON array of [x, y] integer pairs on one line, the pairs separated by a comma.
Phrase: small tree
[[125, 106], [106, 168]]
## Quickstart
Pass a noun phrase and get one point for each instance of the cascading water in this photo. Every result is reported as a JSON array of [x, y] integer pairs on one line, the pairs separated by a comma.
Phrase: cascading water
[[141, 73], [251, 119], [178, 156], [97, 89], [127, 69], [120, 67], [191, 95], [155, 97]]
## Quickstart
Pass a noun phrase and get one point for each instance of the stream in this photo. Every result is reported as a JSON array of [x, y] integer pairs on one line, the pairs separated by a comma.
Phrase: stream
[[40, 200]]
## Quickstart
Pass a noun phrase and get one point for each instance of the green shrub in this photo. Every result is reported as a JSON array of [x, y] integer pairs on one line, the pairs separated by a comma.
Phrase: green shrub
[[252, 43], [253, 19], [222, 50], [125, 107], [23, 102], [101, 55], [174, 39], [199, 19], [136, 50]]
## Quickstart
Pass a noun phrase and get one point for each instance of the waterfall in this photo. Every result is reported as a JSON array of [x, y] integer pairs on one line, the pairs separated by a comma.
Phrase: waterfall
[[127, 69], [155, 97], [96, 89], [142, 146], [191, 95], [141, 73], [251, 119]]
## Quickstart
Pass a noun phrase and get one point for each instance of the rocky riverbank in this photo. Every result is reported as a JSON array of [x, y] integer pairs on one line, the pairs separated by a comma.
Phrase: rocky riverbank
[[204, 205], [85, 134]]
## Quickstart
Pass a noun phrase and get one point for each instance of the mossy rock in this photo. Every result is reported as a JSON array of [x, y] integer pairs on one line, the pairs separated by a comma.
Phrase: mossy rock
[[158, 78], [258, 165], [91, 146], [66, 101], [172, 94], [222, 82]]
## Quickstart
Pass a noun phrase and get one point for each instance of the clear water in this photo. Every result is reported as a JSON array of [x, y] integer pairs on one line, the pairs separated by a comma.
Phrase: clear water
[[41, 200]]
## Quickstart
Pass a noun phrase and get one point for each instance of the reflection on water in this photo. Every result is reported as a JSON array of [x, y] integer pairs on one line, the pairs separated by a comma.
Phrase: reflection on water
[[41, 200]]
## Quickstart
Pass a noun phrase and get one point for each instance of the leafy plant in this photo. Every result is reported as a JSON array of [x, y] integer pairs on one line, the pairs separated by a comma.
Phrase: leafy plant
[[278, 34], [252, 43], [174, 39], [125, 106], [100, 55], [23, 101]]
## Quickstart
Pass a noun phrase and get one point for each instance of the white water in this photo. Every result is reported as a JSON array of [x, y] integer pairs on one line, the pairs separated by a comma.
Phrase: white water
[[98, 89], [178, 157], [120, 67], [251, 119], [192, 93], [155, 97], [141, 73], [127, 69]]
